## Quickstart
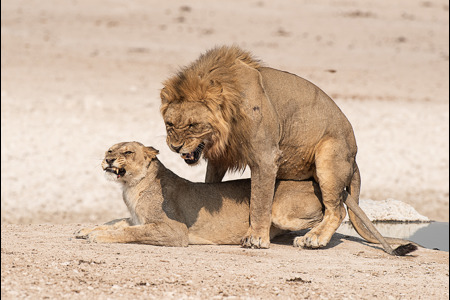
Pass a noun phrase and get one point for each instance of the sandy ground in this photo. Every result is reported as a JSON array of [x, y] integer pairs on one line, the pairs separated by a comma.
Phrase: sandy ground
[[79, 76], [45, 262]]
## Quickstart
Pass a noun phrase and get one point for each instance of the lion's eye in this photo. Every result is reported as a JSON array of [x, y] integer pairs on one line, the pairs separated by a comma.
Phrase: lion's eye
[[109, 151], [128, 152], [169, 124]]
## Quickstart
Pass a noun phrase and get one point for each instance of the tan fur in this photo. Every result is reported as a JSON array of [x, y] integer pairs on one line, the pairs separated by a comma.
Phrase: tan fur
[[229, 108], [170, 211], [209, 81]]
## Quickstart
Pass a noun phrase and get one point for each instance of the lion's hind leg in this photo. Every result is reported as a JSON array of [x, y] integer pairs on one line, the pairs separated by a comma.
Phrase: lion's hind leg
[[334, 170]]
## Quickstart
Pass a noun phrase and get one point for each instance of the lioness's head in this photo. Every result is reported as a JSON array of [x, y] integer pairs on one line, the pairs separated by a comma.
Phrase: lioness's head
[[128, 161]]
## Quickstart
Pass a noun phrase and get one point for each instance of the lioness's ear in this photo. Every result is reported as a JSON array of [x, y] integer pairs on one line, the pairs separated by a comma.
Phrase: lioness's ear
[[150, 152]]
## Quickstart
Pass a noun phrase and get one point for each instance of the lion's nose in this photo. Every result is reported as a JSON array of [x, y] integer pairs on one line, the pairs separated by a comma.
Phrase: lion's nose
[[110, 160], [177, 148]]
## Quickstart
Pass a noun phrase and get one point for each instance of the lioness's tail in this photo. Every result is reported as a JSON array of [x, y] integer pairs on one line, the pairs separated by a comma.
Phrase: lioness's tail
[[364, 226]]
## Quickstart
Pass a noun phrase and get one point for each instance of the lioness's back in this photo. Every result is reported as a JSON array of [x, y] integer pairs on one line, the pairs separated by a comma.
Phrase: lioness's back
[[217, 213]]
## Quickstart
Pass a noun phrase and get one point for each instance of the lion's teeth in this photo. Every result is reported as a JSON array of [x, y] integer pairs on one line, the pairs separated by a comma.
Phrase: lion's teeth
[[188, 155]]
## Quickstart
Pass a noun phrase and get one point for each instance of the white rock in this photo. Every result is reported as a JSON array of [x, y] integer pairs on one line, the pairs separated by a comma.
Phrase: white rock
[[390, 210]]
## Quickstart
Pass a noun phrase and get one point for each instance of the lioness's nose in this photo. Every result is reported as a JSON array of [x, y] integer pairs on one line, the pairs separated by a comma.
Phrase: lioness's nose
[[177, 149], [110, 160]]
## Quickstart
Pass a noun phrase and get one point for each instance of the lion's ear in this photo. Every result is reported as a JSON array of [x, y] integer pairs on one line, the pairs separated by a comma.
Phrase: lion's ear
[[164, 95], [150, 152]]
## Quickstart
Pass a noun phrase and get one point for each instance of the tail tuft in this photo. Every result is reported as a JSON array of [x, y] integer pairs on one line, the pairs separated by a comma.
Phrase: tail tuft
[[405, 249]]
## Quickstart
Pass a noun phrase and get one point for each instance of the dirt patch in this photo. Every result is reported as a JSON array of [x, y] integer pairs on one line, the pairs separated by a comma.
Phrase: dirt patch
[[45, 261]]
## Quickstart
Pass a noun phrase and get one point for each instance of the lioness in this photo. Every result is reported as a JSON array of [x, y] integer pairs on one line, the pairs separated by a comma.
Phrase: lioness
[[234, 112], [171, 211]]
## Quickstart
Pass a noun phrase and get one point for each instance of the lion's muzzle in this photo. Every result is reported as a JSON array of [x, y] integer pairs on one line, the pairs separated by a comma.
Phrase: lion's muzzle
[[193, 157]]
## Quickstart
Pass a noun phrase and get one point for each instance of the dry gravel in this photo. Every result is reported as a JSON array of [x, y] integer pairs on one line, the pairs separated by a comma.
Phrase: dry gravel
[[46, 262]]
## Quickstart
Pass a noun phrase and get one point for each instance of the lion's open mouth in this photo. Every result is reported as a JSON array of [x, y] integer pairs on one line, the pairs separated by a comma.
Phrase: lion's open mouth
[[193, 157], [118, 171]]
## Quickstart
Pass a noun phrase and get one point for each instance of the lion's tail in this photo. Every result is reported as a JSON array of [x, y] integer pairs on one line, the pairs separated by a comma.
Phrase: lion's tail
[[364, 226]]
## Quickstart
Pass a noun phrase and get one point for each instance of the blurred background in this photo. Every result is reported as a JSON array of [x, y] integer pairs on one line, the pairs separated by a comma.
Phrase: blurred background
[[80, 76]]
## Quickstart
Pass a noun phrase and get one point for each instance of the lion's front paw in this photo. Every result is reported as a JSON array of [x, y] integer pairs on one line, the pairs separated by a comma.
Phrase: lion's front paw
[[255, 241], [311, 240]]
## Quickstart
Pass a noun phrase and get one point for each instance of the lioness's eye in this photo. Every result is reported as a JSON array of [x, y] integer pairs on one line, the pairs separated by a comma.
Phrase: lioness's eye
[[169, 124], [109, 151], [128, 152]]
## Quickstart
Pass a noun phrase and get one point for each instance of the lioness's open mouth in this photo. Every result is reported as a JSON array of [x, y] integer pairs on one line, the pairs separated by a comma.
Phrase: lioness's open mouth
[[193, 157], [118, 171]]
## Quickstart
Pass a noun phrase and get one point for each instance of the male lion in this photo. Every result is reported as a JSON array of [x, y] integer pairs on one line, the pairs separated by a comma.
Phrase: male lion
[[170, 211], [234, 112]]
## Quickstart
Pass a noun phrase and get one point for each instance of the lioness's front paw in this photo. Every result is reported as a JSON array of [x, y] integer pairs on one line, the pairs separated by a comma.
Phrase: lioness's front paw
[[105, 236], [97, 237], [82, 233], [311, 240]]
